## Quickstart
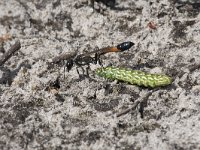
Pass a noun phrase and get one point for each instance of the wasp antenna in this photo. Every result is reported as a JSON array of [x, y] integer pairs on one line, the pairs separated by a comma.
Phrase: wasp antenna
[[125, 46]]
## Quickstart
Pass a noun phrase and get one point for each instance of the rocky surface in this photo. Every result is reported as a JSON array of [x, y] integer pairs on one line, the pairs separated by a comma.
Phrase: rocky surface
[[79, 112]]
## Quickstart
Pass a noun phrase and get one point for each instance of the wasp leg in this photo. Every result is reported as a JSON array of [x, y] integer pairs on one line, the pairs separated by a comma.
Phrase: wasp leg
[[87, 70], [64, 72], [97, 59], [100, 62], [83, 71], [77, 70]]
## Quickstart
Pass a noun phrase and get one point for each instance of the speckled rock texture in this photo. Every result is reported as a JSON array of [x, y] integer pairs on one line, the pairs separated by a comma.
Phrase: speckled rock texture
[[42, 109]]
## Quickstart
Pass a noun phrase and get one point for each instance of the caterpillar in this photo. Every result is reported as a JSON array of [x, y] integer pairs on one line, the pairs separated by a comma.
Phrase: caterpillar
[[136, 77]]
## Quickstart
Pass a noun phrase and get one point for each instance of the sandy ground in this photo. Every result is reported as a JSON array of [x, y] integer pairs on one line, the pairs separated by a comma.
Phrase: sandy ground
[[82, 115]]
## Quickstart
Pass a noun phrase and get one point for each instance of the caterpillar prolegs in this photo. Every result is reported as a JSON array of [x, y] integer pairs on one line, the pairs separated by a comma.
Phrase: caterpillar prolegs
[[136, 77]]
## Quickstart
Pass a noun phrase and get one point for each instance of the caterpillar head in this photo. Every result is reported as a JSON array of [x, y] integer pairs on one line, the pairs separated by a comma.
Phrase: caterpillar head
[[105, 72]]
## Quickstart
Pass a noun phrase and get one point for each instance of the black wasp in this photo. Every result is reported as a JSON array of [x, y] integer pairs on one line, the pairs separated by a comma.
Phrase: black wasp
[[85, 59]]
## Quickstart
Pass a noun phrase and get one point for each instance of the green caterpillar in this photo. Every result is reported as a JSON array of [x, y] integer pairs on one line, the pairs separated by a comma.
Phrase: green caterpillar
[[134, 76]]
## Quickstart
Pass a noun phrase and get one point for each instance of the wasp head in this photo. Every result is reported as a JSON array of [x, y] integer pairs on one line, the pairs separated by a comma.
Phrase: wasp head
[[69, 64]]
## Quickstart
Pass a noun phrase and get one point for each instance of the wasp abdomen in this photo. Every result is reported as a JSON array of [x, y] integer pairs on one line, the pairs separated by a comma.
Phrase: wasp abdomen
[[125, 46]]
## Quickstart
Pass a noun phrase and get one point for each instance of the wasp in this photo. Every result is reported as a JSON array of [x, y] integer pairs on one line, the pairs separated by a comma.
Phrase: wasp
[[86, 59]]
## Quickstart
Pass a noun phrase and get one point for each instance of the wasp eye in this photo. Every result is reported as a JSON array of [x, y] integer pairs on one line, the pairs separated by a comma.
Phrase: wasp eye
[[125, 46]]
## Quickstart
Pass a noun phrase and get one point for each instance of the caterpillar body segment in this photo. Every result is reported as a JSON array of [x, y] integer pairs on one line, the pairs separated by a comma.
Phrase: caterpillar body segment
[[136, 77]]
